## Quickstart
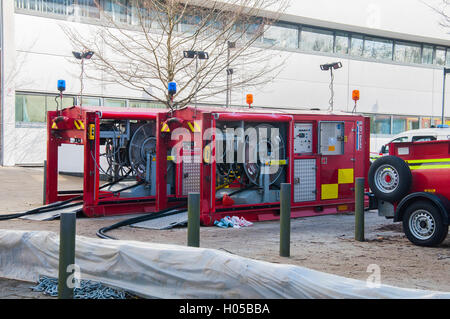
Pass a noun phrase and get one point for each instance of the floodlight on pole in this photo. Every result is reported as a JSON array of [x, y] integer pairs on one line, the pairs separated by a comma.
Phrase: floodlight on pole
[[197, 55], [231, 45], [330, 67], [84, 55]]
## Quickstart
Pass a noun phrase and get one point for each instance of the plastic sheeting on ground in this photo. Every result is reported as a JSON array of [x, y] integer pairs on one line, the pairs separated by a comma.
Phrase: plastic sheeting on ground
[[169, 271]]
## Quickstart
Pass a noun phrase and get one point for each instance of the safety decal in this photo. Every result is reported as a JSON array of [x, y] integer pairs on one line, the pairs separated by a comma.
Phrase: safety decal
[[165, 128], [330, 191], [79, 124], [359, 132], [195, 128]]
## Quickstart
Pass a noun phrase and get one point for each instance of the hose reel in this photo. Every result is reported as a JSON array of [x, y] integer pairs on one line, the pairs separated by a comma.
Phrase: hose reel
[[142, 146]]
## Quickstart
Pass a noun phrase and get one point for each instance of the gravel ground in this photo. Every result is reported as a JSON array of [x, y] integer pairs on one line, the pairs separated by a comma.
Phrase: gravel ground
[[323, 243]]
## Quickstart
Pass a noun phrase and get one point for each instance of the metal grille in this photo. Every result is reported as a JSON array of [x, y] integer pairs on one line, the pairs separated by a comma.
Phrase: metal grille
[[191, 177], [304, 180]]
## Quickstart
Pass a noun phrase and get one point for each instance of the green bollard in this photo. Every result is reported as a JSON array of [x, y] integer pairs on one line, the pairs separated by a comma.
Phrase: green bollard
[[285, 220], [359, 209], [66, 253], [44, 189], [193, 232]]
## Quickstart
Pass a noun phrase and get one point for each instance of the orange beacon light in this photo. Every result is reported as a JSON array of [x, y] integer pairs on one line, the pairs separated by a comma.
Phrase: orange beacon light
[[250, 100]]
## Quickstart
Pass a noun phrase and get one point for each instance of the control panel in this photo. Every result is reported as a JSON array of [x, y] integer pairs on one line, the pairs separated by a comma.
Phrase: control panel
[[331, 138], [303, 138]]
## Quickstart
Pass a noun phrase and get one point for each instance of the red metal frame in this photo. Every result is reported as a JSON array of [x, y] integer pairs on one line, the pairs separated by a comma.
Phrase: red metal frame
[[100, 203]]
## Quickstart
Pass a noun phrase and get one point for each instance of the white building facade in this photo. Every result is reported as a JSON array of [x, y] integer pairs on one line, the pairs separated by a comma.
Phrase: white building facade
[[393, 52]]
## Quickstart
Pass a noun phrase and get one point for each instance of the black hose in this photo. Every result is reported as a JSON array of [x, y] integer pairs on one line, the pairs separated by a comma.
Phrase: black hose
[[163, 213], [63, 204]]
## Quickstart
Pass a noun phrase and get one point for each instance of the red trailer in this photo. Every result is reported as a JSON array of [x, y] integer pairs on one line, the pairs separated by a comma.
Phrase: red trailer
[[412, 186], [212, 151]]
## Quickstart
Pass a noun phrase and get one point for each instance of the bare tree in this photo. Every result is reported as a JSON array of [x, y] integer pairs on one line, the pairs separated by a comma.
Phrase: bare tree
[[141, 45], [442, 8]]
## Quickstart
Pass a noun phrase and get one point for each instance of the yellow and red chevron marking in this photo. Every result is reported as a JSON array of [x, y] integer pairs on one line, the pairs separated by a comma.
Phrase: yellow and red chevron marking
[[79, 124]]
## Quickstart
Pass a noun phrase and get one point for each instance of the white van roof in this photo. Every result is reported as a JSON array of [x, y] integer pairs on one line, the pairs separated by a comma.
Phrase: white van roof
[[424, 132]]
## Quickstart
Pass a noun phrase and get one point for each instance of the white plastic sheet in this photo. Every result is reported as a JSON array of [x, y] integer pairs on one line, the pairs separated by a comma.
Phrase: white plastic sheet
[[169, 271]]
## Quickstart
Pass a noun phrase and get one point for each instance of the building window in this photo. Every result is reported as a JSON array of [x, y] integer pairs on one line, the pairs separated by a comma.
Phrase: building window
[[91, 101], [30, 108], [52, 104], [379, 49], [407, 53], [341, 43], [282, 35], [115, 103], [404, 123], [427, 54], [316, 40], [357, 45], [149, 105], [440, 56], [380, 124]]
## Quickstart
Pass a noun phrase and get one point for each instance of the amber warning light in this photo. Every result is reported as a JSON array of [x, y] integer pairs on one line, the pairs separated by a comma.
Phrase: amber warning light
[[249, 100], [355, 95]]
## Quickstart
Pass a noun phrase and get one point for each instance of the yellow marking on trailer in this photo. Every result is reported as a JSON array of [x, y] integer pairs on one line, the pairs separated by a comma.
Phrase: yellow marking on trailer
[[165, 128], [437, 160], [416, 168], [345, 176], [429, 190], [330, 191], [276, 162], [342, 208]]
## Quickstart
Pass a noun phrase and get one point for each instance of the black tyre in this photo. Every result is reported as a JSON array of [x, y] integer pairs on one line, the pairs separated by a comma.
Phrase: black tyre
[[423, 224], [390, 178]]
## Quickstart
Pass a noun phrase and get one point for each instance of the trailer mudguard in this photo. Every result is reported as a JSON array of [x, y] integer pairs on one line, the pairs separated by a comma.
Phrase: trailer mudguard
[[440, 201]]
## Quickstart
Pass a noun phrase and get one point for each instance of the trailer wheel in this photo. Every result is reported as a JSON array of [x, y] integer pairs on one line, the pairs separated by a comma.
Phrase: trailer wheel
[[390, 178], [423, 224]]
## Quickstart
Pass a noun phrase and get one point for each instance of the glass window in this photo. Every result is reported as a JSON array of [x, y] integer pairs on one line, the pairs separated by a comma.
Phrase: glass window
[[357, 45], [400, 139], [117, 9], [282, 36], [447, 60], [440, 56], [63, 7], [143, 104], [91, 101], [377, 48], [66, 102], [398, 124], [404, 123], [316, 40], [115, 103], [412, 123], [425, 122], [341, 43], [88, 9], [407, 53], [30, 108], [380, 124], [427, 54], [189, 23], [423, 138]]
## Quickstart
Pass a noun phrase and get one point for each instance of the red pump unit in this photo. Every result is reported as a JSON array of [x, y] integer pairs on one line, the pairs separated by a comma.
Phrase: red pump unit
[[160, 156]]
